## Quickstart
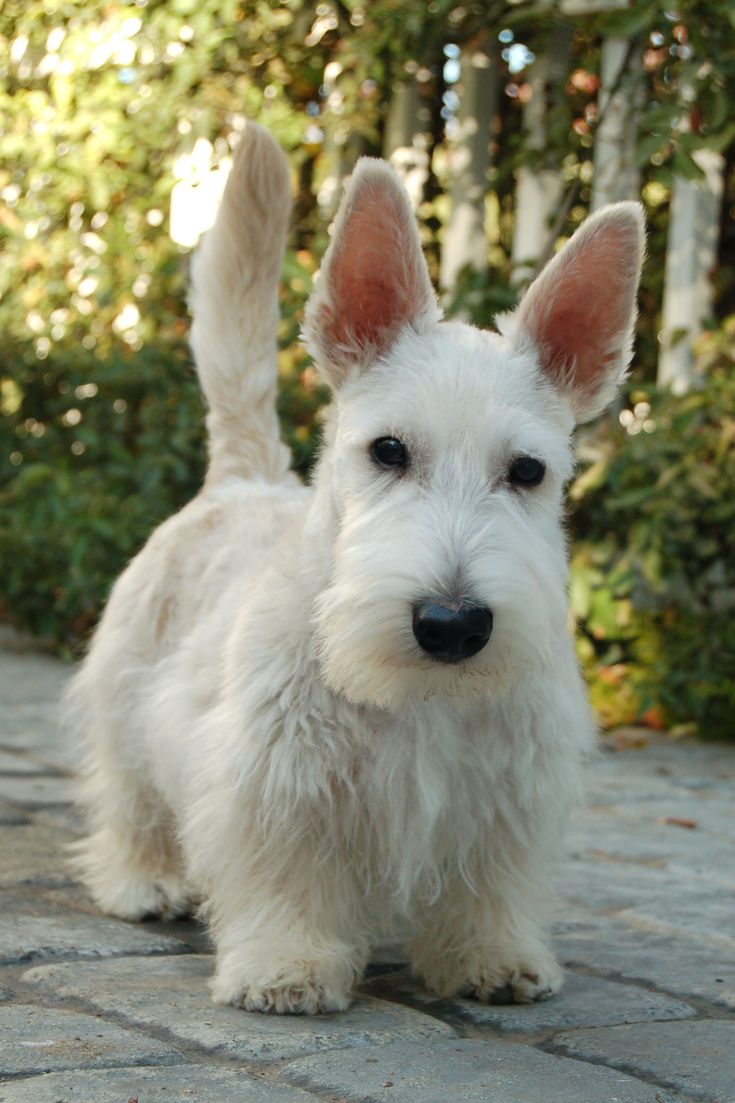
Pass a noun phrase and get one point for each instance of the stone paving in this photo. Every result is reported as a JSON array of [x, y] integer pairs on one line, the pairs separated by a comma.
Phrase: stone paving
[[94, 1010]]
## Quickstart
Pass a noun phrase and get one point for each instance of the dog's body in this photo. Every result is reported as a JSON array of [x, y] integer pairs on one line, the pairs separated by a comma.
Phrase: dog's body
[[269, 724]]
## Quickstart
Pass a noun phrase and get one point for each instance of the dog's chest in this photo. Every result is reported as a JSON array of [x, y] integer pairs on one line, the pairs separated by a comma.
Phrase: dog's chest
[[423, 762]]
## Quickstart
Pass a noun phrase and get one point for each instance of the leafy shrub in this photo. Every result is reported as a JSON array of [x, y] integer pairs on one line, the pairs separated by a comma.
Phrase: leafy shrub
[[653, 569], [93, 454], [95, 451], [98, 447]]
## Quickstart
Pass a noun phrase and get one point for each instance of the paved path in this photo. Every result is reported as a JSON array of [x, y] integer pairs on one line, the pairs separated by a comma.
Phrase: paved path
[[100, 1011]]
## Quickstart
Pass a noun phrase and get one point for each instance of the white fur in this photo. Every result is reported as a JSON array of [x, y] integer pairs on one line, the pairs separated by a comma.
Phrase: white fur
[[261, 730]]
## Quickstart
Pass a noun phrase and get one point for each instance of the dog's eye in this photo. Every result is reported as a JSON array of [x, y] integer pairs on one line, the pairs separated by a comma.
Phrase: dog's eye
[[389, 452], [526, 471]]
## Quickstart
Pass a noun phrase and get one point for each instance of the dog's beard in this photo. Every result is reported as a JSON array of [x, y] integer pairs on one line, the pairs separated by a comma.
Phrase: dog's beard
[[363, 618], [368, 653]]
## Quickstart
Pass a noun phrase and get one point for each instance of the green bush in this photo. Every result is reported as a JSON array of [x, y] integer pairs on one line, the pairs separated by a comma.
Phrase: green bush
[[101, 420], [93, 454], [97, 448], [95, 451], [653, 570]]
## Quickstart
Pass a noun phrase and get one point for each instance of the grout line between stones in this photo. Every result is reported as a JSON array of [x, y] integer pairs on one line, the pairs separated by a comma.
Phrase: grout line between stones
[[628, 1070], [181, 1063], [708, 1009], [192, 1051], [30, 1074]]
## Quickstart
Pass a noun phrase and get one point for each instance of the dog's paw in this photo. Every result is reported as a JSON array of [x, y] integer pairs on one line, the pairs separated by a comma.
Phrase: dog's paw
[[500, 977], [140, 898], [525, 982], [307, 994]]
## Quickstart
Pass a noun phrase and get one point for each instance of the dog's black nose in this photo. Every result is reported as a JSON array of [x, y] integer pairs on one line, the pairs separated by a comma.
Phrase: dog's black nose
[[451, 630]]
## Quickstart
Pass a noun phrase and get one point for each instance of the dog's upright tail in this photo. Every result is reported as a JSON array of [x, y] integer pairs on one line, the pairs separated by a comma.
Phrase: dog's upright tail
[[234, 302]]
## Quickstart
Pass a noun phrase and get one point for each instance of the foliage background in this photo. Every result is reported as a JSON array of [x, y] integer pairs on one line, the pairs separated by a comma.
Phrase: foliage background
[[101, 426]]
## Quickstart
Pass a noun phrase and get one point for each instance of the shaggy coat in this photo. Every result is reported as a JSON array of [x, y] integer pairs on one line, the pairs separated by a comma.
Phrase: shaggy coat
[[261, 730]]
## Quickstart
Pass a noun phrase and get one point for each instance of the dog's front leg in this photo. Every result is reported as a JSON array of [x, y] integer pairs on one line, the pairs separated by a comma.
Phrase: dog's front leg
[[489, 940], [287, 934]]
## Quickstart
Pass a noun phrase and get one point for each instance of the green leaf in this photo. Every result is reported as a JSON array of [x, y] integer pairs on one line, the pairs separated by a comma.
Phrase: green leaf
[[684, 165]]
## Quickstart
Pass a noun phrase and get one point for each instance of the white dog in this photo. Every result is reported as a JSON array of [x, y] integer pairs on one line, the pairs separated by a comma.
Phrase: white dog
[[337, 711]]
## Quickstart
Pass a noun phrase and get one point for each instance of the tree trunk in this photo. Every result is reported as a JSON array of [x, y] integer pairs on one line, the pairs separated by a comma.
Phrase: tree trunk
[[469, 161], [621, 73], [334, 164], [405, 142], [539, 185], [691, 255]]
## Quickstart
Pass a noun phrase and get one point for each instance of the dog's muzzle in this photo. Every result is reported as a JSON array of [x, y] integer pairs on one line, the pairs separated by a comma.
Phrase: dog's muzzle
[[451, 631]]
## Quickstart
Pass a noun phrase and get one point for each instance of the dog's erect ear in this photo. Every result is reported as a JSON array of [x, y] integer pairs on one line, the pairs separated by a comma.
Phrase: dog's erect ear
[[373, 279], [579, 314]]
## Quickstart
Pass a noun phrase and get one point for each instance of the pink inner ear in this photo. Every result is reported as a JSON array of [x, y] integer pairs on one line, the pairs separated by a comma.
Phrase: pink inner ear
[[580, 310], [374, 284]]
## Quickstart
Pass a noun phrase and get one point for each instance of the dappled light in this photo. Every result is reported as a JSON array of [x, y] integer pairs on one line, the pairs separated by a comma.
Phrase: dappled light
[[508, 124]]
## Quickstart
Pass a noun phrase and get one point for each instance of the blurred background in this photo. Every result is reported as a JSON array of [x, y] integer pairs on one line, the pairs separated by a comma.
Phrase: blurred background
[[509, 122]]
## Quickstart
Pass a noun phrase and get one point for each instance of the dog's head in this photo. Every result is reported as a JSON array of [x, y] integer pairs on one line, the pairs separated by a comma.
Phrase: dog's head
[[448, 447]]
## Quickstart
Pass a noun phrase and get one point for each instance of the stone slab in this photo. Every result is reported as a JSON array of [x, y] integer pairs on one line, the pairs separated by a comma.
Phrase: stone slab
[[172, 994], [697, 1059], [463, 1071], [11, 814], [700, 903], [34, 854], [705, 810], [44, 743], [28, 937], [705, 918], [691, 758], [683, 965], [660, 846], [15, 762], [67, 816], [28, 724], [173, 1084], [29, 677], [34, 728], [185, 933], [33, 791], [585, 1000], [35, 1040]]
